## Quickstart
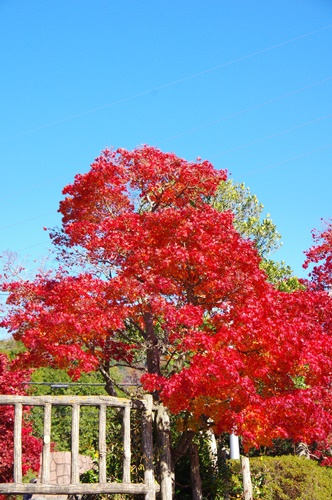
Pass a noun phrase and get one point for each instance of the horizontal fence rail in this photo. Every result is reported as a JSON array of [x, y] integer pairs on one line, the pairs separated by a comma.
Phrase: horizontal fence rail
[[148, 488]]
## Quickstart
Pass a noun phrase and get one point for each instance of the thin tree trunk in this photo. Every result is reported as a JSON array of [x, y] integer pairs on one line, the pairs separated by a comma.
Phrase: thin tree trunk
[[196, 482], [182, 445], [153, 353], [109, 387]]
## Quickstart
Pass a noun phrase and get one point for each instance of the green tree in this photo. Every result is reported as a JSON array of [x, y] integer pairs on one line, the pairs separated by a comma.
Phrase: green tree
[[249, 218], [11, 347], [251, 222]]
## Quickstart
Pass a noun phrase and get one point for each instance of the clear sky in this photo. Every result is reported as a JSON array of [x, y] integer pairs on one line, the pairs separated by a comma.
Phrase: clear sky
[[246, 84]]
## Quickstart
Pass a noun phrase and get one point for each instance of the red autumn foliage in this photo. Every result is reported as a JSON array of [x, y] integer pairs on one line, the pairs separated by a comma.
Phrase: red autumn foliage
[[11, 383], [320, 256], [155, 278]]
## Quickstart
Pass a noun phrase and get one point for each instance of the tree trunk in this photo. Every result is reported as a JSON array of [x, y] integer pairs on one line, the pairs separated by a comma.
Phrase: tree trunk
[[196, 482], [153, 354], [183, 445], [109, 387]]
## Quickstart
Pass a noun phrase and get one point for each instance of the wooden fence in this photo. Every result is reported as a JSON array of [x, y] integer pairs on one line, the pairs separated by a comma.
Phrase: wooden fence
[[148, 488]]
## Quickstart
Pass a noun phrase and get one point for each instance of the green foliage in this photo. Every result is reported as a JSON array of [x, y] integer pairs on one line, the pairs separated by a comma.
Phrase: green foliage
[[283, 478], [248, 215], [114, 457], [61, 415], [11, 347], [114, 450], [286, 477], [89, 435], [216, 473], [278, 448], [253, 225], [281, 275]]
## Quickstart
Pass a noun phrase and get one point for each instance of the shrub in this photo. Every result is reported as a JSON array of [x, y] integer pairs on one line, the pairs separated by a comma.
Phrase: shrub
[[284, 478]]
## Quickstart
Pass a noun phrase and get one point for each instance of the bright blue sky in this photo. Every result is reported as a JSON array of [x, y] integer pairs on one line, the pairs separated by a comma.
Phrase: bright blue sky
[[245, 84]]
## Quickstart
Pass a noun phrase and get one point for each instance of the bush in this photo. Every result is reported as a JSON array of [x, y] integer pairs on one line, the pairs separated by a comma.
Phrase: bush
[[284, 478]]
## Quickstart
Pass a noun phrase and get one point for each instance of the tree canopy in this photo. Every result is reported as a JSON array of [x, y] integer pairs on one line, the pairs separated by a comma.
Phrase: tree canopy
[[251, 222], [248, 220], [156, 277]]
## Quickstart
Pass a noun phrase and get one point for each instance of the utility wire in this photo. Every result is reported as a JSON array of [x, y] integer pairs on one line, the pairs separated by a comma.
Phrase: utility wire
[[287, 160], [3, 228], [273, 165], [232, 115], [277, 134], [251, 108], [170, 84], [195, 75], [242, 146]]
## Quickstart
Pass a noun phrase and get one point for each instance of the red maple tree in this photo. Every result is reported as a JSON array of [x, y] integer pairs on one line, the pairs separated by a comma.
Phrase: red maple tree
[[153, 277], [320, 256], [11, 383]]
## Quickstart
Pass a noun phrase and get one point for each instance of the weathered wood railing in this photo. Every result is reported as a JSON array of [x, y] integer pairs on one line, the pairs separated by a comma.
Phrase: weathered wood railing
[[149, 487]]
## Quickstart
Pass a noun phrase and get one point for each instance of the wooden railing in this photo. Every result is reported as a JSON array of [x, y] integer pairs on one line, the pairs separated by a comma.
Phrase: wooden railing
[[149, 487]]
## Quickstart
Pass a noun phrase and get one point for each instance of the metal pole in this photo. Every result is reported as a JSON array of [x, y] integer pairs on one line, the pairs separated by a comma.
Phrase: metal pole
[[234, 447]]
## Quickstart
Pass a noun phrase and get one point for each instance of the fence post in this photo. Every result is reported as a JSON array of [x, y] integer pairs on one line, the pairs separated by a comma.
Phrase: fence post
[[18, 443], [246, 478], [75, 429], [46, 459], [147, 442], [102, 444], [126, 444], [165, 459]]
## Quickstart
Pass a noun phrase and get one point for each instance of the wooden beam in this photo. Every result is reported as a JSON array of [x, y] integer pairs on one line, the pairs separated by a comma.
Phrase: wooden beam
[[73, 489], [64, 400]]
